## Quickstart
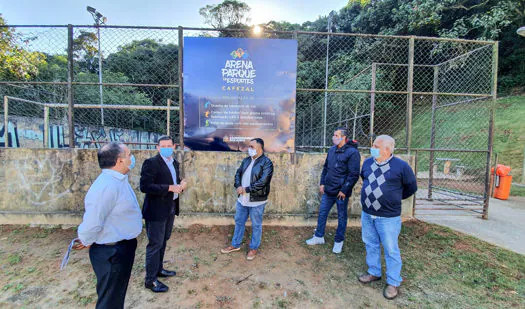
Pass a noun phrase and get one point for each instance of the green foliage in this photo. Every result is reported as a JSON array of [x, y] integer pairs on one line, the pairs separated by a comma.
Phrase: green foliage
[[14, 259], [148, 62], [16, 62], [85, 45], [360, 3], [467, 19], [227, 13], [509, 134], [112, 95]]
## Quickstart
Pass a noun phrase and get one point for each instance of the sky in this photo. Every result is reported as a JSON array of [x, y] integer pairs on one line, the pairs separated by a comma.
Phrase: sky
[[156, 12]]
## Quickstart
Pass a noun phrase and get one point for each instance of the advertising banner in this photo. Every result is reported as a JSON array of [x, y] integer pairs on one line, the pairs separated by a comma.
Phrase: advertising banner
[[236, 89]]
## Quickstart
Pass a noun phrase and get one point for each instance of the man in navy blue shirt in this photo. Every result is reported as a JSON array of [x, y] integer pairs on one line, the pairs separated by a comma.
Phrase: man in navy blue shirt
[[340, 173], [386, 181]]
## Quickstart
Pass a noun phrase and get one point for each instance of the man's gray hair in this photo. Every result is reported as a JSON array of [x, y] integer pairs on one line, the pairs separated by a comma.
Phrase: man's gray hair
[[387, 141]]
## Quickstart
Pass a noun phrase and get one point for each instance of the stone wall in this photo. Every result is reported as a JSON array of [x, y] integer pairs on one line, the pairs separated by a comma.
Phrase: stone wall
[[47, 186]]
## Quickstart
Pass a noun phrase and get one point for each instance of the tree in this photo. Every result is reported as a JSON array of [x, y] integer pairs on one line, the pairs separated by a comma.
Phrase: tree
[[225, 14], [85, 51], [148, 62], [121, 118], [466, 19], [16, 63]]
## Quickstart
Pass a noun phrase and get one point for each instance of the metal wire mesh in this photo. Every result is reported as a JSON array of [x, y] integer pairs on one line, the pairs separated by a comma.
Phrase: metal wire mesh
[[433, 95]]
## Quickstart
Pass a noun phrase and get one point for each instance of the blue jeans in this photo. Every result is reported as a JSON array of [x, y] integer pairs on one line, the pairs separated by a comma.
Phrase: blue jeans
[[377, 231], [241, 216], [327, 201]]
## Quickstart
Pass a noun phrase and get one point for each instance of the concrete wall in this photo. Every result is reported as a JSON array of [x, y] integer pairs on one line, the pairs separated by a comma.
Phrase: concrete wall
[[47, 186]]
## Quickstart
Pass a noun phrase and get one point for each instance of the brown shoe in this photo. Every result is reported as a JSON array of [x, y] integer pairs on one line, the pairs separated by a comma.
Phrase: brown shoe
[[390, 291], [367, 278], [230, 249], [251, 254]]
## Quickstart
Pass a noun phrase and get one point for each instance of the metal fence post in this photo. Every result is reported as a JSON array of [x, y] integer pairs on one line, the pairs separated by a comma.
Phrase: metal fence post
[[523, 169], [6, 122], [325, 108], [181, 88], [100, 74], [433, 132], [168, 105], [494, 94], [493, 176], [326, 80], [372, 103], [70, 78], [414, 197], [46, 126], [355, 120], [410, 89], [181, 97]]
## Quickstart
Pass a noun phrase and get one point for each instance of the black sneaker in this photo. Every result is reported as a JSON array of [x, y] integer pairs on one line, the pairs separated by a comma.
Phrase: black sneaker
[[166, 273], [156, 286]]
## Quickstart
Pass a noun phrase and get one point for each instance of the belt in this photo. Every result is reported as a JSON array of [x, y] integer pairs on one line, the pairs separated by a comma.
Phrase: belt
[[115, 243]]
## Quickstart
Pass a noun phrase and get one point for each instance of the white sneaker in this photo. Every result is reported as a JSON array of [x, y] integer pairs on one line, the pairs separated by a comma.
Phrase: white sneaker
[[338, 247], [315, 241]]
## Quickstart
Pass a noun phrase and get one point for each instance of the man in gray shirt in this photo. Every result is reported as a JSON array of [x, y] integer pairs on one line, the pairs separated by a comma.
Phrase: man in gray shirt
[[111, 224]]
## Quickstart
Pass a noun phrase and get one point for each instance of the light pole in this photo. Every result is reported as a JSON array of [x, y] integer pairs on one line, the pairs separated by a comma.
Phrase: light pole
[[99, 19], [326, 77]]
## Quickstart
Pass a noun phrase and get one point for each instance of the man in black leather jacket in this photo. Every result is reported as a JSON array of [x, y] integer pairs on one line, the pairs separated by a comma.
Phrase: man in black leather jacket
[[252, 182], [340, 174]]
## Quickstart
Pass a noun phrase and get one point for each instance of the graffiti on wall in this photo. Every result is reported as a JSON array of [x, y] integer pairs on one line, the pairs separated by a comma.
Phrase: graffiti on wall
[[25, 133], [10, 135], [93, 137]]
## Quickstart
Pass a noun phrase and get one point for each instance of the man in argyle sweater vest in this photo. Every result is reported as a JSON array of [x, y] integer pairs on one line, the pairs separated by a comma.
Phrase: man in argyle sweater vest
[[386, 181]]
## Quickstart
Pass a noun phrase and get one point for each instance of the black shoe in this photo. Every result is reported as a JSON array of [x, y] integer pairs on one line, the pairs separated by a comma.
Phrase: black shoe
[[166, 273], [156, 286]]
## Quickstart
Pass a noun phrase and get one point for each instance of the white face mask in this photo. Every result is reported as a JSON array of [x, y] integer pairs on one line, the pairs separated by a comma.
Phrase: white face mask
[[252, 152]]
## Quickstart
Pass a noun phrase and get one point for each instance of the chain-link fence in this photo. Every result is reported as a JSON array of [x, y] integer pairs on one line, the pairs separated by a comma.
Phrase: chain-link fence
[[434, 96]]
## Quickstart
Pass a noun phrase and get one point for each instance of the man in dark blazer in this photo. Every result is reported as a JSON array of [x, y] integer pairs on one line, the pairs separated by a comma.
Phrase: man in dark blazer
[[160, 180]]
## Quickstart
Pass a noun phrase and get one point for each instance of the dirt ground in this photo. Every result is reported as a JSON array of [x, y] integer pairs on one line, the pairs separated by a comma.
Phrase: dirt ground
[[285, 274]]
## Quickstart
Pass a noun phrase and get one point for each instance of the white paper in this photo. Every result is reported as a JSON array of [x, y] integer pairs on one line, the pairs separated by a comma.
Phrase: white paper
[[65, 259]]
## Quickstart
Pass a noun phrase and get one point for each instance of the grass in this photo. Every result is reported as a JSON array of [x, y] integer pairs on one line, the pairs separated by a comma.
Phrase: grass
[[517, 191], [14, 259], [442, 268], [466, 126], [447, 260], [509, 133]]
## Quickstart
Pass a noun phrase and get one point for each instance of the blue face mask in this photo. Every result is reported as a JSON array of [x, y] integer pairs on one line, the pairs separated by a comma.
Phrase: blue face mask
[[374, 152], [132, 165], [336, 140], [166, 152]]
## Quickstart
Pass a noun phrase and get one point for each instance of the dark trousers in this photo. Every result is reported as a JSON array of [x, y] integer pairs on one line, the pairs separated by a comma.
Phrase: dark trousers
[[112, 265], [158, 234]]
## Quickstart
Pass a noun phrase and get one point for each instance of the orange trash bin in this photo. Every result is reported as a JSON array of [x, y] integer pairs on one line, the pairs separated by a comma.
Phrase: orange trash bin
[[503, 182]]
